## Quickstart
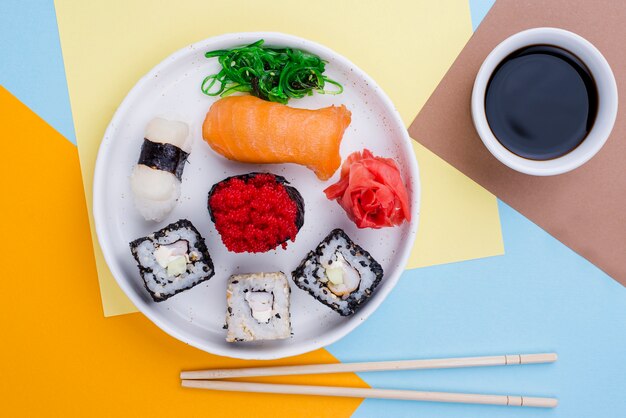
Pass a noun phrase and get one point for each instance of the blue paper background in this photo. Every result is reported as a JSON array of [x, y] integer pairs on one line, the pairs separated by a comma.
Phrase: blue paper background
[[539, 297], [31, 64], [478, 10]]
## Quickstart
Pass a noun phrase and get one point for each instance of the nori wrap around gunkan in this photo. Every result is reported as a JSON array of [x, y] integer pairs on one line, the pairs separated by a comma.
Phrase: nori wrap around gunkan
[[339, 273], [172, 259], [256, 212]]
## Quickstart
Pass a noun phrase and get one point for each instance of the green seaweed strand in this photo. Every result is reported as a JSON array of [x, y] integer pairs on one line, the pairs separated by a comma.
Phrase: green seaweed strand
[[271, 74]]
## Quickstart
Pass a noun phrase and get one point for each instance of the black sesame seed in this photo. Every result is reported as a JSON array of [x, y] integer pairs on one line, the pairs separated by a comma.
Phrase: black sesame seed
[[278, 315]]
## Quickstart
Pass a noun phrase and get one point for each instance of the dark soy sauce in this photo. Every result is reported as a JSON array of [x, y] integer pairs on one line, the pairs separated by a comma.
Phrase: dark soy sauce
[[541, 102]]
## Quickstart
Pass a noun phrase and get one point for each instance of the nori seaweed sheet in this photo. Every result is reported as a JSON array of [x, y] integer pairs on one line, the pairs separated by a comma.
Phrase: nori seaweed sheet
[[354, 302], [200, 247], [165, 157], [293, 193]]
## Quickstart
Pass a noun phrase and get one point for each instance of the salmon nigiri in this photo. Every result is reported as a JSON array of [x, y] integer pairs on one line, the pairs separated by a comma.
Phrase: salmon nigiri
[[252, 130]]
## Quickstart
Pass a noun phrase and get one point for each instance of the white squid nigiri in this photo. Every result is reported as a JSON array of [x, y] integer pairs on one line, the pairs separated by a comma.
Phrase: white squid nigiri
[[155, 180]]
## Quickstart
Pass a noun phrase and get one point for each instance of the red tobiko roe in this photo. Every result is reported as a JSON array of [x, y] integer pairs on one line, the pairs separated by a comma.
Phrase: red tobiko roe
[[253, 213], [371, 191]]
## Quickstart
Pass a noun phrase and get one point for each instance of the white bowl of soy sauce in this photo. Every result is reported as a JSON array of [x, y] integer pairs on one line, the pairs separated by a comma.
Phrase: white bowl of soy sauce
[[544, 101]]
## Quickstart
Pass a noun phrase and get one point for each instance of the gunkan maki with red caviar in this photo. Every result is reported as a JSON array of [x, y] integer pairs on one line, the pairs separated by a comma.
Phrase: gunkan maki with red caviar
[[256, 212]]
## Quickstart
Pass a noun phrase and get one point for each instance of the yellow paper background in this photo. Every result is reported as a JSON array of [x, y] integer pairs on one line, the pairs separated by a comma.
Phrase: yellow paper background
[[405, 46]]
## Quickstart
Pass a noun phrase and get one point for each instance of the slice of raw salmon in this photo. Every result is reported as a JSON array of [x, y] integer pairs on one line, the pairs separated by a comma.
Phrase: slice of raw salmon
[[252, 130]]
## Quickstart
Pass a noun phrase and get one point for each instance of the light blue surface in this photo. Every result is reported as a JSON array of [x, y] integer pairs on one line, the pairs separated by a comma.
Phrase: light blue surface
[[478, 10], [31, 64], [539, 297]]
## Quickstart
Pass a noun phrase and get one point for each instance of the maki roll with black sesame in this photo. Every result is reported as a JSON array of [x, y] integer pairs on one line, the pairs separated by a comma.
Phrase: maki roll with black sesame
[[339, 273], [256, 212], [258, 307], [172, 259]]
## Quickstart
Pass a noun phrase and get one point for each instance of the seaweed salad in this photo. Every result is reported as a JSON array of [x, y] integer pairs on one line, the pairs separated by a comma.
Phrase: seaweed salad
[[273, 74]]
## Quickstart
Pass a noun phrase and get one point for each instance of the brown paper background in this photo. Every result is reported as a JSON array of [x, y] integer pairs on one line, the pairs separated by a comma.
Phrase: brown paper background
[[586, 208]]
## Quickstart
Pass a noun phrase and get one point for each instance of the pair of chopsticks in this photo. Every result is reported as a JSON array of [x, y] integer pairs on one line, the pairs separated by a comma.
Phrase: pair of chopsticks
[[207, 379]]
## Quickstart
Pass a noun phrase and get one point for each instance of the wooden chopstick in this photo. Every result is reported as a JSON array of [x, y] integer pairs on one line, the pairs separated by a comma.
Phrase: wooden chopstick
[[445, 363], [506, 400]]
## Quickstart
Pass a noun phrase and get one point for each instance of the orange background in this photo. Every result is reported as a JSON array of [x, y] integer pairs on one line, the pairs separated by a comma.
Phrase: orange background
[[58, 352]]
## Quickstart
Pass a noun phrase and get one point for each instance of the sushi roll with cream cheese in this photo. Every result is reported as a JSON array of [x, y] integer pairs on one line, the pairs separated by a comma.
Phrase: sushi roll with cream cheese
[[155, 180], [172, 259], [339, 273], [258, 307]]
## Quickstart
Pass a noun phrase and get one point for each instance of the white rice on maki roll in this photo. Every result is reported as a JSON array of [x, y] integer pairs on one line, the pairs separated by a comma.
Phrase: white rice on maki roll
[[172, 259], [258, 307], [339, 273]]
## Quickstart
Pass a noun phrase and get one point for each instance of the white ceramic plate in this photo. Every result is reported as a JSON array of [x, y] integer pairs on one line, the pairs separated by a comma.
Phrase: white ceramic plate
[[196, 316]]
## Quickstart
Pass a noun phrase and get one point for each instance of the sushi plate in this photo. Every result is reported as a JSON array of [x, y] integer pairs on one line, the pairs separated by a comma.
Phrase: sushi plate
[[197, 316]]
